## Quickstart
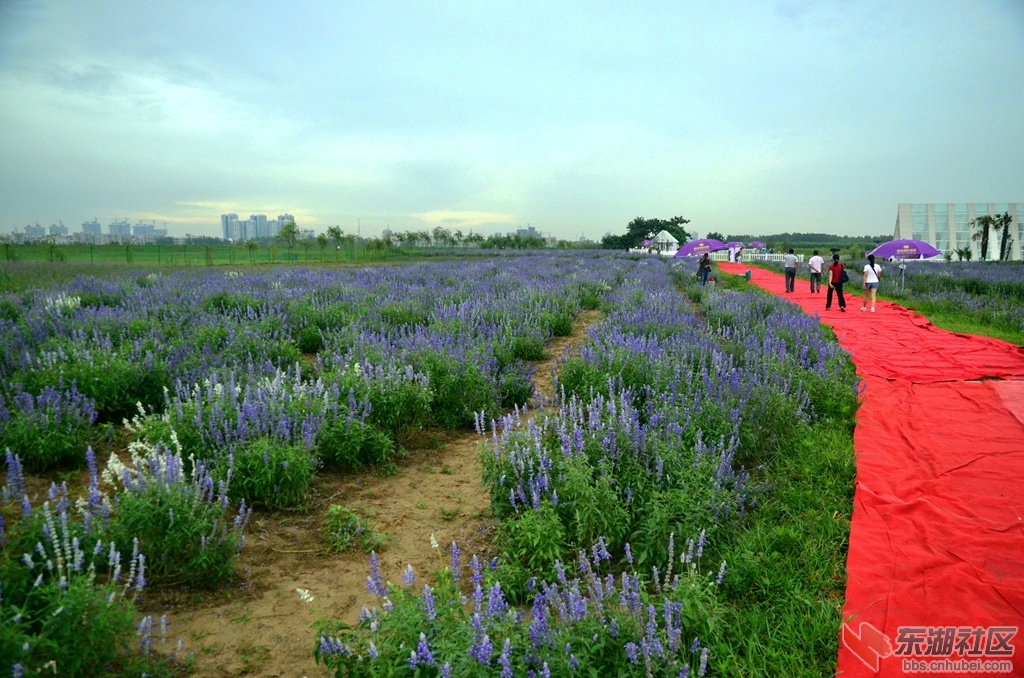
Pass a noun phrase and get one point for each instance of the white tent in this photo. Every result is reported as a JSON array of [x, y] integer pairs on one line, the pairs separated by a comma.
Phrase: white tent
[[665, 242]]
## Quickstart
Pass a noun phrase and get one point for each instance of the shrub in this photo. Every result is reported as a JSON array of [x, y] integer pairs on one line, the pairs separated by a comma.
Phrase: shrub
[[351, 444], [270, 474], [591, 623], [530, 545], [67, 604], [344, 528], [50, 430], [179, 519], [116, 384]]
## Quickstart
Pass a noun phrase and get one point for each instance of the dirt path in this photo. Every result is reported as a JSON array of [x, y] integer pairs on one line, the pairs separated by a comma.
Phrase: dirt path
[[261, 627]]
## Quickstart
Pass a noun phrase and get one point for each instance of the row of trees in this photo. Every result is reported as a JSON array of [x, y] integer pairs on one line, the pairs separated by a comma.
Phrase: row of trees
[[982, 227], [439, 237]]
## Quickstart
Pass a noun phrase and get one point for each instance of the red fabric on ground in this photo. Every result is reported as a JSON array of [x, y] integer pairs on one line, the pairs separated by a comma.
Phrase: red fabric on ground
[[937, 536]]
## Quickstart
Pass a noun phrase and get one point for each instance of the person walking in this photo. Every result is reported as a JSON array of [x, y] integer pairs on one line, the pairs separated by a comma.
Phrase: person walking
[[792, 265], [835, 282], [816, 263], [872, 276], [704, 269]]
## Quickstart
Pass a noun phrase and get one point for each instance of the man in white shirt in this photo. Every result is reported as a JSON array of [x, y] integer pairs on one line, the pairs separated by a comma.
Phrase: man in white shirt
[[816, 263]]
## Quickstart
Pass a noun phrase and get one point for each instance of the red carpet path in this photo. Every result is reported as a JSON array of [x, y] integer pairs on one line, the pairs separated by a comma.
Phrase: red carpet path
[[936, 559]]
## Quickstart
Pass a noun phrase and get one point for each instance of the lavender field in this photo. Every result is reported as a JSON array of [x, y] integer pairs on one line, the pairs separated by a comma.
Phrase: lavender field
[[629, 509]]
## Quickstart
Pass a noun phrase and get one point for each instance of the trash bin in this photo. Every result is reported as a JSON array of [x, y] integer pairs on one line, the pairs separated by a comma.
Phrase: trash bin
[[747, 275]]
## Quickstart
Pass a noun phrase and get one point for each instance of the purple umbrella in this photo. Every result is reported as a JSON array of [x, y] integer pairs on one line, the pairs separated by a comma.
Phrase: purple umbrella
[[735, 243], [905, 249], [757, 245], [696, 248]]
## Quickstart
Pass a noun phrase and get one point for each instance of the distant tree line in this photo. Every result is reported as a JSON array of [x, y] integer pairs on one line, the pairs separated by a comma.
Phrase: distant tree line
[[808, 241]]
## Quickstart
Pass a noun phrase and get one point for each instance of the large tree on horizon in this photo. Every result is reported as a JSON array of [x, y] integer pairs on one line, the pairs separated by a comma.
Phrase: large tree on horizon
[[641, 229]]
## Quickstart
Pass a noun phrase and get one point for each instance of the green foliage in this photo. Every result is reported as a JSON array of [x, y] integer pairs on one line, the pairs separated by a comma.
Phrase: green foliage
[[271, 474], [404, 315], [514, 388], [114, 383], [784, 591], [530, 545], [344, 528], [582, 379], [459, 390], [347, 445], [589, 506], [64, 609], [557, 324], [398, 406], [527, 348], [227, 303], [591, 295], [45, 440], [310, 339], [181, 526]]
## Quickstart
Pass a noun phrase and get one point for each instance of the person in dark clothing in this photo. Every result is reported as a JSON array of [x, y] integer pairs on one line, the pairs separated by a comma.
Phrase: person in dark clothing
[[835, 282], [704, 268]]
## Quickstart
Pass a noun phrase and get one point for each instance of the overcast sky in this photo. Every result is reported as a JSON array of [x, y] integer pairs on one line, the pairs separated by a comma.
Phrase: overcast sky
[[745, 117]]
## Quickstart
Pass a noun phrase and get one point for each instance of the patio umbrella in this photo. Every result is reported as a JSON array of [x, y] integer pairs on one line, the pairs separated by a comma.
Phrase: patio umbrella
[[735, 243], [696, 248], [757, 245], [905, 249]]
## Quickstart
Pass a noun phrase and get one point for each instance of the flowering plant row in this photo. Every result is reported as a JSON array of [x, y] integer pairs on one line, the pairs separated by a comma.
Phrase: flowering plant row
[[662, 412]]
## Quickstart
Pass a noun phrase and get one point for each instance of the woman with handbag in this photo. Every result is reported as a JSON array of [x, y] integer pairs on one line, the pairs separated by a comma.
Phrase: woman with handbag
[[837, 276]]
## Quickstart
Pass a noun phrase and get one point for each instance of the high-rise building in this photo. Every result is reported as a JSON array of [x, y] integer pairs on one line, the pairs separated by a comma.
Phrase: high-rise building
[[60, 229], [120, 227], [283, 219], [258, 224], [225, 225], [36, 231], [952, 226], [92, 227]]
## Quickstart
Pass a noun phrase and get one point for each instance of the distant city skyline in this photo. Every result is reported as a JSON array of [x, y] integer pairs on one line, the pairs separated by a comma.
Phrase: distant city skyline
[[575, 117]]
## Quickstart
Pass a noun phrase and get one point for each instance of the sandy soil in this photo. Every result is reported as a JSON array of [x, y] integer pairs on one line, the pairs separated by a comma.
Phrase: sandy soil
[[260, 627]]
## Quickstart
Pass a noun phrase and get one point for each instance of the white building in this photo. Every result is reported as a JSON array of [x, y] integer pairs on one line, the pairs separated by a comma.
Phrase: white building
[[948, 226]]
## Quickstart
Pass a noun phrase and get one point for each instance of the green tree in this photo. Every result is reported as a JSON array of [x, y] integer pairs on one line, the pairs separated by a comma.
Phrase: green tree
[[982, 226], [252, 246], [641, 229], [321, 242], [334, 233], [715, 235], [1002, 224], [288, 235]]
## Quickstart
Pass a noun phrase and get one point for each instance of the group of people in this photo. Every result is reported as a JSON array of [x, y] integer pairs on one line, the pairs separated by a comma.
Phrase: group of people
[[837, 277]]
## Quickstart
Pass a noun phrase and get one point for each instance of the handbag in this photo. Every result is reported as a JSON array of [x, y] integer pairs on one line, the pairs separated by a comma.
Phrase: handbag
[[844, 277]]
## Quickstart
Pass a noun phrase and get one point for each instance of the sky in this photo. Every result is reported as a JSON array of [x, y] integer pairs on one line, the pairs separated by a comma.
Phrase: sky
[[745, 117]]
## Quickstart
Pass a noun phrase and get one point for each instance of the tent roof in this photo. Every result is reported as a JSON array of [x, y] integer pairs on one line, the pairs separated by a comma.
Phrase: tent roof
[[665, 236]]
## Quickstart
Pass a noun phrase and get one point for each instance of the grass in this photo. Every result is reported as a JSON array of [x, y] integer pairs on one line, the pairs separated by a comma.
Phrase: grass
[[786, 579]]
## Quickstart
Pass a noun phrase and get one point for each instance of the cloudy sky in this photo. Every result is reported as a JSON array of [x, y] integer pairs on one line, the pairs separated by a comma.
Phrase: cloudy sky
[[745, 117]]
